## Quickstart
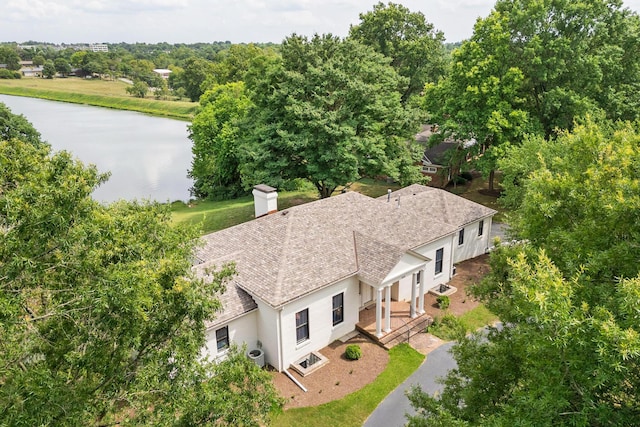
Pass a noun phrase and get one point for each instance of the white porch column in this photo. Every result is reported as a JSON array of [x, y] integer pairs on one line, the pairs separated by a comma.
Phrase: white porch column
[[387, 309], [379, 313], [423, 279], [412, 309]]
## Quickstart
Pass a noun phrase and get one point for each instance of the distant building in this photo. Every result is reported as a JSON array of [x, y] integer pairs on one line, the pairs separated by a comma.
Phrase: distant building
[[441, 162], [163, 72], [98, 47]]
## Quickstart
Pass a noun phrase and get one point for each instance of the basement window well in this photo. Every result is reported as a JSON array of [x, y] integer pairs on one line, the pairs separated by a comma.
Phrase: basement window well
[[309, 363]]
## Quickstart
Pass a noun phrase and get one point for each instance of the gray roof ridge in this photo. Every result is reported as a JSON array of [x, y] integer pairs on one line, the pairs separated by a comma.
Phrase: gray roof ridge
[[282, 262]]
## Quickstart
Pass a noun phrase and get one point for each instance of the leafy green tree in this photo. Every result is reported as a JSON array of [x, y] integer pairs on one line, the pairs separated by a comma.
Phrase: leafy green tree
[[329, 112], [102, 322], [195, 73], [235, 62], [414, 46], [578, 196], [39, 60], [62, 66], [77, 58], [535, 67], [139, 89], [14, 126], [49, 69], [9, 56], [569, 350], [215, 132]]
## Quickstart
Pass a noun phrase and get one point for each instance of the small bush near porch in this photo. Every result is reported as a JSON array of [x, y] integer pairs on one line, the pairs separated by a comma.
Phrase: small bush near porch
[[353, 352]]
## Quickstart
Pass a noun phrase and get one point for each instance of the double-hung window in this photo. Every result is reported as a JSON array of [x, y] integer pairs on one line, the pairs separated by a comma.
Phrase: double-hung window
[[461, 237], [439, 256], [222, 338], [338, 309], [480, 228], [302, 325]]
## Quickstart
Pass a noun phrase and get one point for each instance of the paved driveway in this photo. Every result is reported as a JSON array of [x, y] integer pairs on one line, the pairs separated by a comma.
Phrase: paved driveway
[[391, 411]]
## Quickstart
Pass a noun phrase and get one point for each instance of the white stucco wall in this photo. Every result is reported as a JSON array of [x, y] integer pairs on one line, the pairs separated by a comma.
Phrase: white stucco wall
[[242, 330], [321, 329], [473, 245]]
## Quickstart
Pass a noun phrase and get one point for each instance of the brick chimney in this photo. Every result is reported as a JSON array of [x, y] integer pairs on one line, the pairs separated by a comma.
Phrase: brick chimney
[[265, 200]]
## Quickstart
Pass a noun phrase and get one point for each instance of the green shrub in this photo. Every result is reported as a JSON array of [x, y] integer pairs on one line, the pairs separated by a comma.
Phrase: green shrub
[[448, 327], [353, 352], [443, 302], [8, 74]]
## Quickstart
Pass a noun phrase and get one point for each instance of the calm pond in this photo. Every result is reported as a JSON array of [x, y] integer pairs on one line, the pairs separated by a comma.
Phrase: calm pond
[[148, 157]]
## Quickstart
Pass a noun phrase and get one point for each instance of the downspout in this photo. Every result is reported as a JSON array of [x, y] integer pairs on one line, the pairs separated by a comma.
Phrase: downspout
[[279, 338], [489, 242], [295, 380], [451, 255]]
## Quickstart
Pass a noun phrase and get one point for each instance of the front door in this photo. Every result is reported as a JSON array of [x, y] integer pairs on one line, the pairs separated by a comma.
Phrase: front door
[[366, 294], [395, 291]]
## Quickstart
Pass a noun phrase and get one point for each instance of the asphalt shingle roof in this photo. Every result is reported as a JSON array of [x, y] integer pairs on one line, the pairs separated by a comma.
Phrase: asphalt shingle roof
[[288, 254]]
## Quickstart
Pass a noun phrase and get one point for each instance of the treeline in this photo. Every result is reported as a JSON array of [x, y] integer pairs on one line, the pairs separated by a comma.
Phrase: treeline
[[190, 64]]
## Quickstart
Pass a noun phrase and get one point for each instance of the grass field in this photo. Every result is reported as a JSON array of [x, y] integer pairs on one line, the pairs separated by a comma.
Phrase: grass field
[[101, 93]]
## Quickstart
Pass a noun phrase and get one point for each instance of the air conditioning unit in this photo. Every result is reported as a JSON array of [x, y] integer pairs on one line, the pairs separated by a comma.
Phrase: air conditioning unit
[[257, 356]]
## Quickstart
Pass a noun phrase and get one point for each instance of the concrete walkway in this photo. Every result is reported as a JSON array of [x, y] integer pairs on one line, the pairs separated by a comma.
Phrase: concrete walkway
[[391, 411]]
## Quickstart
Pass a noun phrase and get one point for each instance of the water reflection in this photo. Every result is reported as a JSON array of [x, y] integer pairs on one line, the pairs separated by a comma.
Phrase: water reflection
[[148, 156]]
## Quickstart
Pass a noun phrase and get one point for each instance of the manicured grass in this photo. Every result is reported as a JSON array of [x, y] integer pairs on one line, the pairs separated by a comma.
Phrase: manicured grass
[[372, 188], [217, 215], [450, 327], [101, 93], [354, 409], [470, 191], [478, 318]]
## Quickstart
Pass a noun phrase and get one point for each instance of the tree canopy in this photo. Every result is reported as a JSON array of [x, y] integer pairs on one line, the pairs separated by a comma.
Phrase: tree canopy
[[535, 67], [568, 352], [101, 321], [414, 46], [215, 132], [329, 112]]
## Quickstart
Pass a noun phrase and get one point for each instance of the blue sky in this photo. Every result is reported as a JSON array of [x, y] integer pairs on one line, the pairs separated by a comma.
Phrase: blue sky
[[189, 21]]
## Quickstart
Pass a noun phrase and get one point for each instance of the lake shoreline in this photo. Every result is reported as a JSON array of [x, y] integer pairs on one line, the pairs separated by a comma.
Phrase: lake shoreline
[[148, 156], [28, 87]]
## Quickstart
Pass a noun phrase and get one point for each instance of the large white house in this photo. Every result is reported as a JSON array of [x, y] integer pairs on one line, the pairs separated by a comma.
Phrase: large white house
[[305, 273]]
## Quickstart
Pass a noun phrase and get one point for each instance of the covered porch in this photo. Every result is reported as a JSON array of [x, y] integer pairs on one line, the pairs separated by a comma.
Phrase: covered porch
[[402, 325]]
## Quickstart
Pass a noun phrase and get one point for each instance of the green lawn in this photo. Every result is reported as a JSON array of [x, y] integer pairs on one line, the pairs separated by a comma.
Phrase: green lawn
[[478, 318], [217, 215], [354, 409]]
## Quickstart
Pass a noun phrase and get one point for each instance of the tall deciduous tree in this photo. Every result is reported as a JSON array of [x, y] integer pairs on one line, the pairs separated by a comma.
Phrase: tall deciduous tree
[[49, 69], [194, 74], [10, 57], [536, 66], [215, 132], [414, 46], [329, 112], [62, 66], [101, 322], [569, 299]]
